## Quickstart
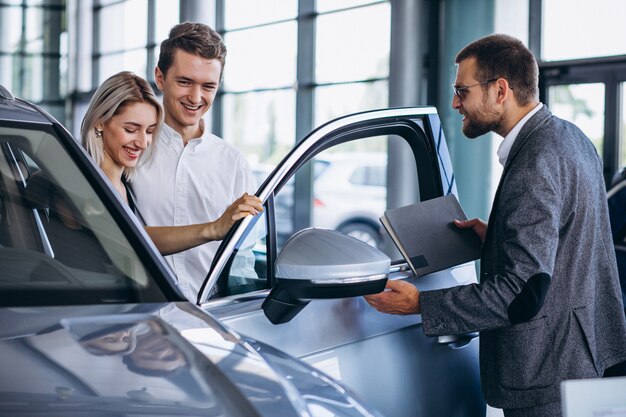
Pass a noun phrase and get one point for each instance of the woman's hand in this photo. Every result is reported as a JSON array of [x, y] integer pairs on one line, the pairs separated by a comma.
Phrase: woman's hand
[[245, 205]]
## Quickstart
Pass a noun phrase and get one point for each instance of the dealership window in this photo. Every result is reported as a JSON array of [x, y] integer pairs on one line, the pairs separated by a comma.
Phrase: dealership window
[[583, 105], [582, 70], [291, 69], [33, 51], [260, 89], [128, 35], [591, 30]]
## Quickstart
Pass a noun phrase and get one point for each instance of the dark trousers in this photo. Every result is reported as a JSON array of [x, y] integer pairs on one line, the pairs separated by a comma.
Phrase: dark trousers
[[545, 410]]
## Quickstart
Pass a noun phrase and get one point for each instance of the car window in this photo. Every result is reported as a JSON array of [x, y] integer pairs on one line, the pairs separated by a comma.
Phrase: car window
[[247, 269], [341, 201], [337, 203], [58, 242], [349, 192]]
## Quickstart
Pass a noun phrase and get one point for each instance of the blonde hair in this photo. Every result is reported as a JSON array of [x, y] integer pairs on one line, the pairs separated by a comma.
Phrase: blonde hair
[[110, 99]]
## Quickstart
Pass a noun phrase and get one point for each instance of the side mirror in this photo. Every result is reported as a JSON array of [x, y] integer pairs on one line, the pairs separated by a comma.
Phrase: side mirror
[[319, 263]]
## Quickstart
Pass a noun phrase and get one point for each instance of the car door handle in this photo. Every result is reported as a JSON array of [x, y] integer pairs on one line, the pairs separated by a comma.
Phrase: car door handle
[[457, 341]]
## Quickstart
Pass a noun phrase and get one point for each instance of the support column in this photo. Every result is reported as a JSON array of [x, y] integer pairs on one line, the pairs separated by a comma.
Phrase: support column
[[406, 77], [466, 21], [201, 11]]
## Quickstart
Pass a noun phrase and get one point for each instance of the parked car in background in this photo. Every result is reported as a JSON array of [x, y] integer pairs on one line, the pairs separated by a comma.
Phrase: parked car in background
[[349, 195], [91, 321]]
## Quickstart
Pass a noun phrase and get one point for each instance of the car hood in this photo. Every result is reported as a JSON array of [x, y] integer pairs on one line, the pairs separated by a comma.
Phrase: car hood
[[148, 359]]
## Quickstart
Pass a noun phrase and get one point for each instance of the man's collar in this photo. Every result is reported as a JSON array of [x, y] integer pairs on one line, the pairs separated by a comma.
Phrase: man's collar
[[505, 147], [169, 134]]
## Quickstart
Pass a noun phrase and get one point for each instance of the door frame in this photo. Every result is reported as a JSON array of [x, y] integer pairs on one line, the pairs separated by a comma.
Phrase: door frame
[[610, 71]]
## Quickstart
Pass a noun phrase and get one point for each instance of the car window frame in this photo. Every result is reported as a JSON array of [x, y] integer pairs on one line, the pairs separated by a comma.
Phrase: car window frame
[[162, 280], [422, 132]]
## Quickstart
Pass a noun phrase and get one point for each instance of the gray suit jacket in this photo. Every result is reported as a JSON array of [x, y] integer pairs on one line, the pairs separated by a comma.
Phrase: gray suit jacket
[[548, 305]]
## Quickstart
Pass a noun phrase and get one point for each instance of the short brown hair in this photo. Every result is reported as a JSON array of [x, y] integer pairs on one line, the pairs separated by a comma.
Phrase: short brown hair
[[503, 56], [195, 38]]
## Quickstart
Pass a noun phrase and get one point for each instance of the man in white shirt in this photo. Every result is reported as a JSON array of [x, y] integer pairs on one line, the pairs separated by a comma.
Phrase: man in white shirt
[[194, 175]]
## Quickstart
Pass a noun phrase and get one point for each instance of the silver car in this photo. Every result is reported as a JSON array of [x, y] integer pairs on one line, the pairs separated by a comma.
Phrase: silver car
[[91, 322]]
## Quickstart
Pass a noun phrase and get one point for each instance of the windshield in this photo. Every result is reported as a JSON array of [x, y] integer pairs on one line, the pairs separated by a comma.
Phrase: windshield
[[59, 244]]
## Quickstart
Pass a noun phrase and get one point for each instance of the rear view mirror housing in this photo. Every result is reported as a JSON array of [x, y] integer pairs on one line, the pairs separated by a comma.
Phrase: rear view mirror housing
[[318, 264]]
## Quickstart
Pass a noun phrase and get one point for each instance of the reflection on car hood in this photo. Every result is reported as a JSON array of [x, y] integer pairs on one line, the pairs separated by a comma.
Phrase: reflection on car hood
[[135, 360]]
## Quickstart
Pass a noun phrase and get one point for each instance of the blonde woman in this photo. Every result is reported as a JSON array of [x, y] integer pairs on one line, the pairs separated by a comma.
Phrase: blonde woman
[[123, 118]]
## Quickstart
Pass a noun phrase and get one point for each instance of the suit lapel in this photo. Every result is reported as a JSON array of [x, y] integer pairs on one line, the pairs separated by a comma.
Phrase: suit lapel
[[527, 130]]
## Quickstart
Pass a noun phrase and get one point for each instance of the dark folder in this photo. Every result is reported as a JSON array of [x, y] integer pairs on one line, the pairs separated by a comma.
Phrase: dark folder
[[427, 238]]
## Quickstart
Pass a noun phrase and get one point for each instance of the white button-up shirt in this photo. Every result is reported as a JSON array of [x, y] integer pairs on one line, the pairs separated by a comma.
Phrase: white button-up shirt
[[190, 184], [507, 143]]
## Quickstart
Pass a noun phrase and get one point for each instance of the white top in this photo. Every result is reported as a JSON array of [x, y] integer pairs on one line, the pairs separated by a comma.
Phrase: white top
[[190, 184], [507, 143]]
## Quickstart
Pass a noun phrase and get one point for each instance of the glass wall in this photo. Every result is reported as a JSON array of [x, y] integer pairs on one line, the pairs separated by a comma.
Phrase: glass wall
[[33, 51], [127, 37], [259, 100], [583, 105], [582, 69], [272, 90], [582, 29]]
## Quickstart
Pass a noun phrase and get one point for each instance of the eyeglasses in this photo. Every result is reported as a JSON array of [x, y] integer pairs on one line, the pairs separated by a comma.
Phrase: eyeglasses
[[461, 92]]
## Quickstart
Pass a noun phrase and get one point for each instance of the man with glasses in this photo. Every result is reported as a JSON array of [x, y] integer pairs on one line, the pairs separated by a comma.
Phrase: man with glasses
[[548, 304]]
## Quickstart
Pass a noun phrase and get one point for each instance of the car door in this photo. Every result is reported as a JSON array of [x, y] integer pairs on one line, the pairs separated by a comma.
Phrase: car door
[[386, 359]]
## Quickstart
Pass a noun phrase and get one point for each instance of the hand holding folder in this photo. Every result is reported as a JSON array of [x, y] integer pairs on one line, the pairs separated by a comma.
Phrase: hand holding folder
[[427, 238]]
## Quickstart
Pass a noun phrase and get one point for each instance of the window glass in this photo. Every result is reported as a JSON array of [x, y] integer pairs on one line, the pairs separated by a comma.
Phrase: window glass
[[262, 125], [10, 29], [346, 51], [33, 76], [593, 30], [7, 75], [337, 202], [263, 57], [328, 5], [34, 29], [338, 100], [248, 271], [167, 15], [340, 182], [123, 26], [63, 66], [134, 61], [242, 13], [583, 105], [59, 243], [337, 197]]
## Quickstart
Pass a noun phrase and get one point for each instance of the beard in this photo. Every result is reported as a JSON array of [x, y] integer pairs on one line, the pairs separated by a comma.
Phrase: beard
[[475, 128], [482, 120]]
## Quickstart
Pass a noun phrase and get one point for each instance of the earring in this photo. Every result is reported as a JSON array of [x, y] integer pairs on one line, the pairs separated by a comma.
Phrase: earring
[[98, 133]]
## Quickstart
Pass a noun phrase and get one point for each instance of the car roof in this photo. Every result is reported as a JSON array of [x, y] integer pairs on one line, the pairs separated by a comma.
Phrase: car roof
[[14, 109]]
